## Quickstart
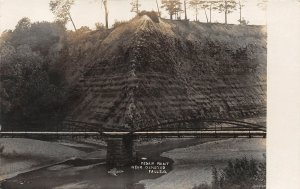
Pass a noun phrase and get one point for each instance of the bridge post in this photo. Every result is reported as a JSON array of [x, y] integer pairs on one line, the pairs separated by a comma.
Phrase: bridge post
[[120, 151]]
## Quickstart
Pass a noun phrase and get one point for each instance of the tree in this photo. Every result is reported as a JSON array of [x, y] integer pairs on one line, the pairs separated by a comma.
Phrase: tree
[[227, 6], [211, 5], [23, 24], [241, 4], [32, 89], [178, 11], [104, 2], [158, 11], [172, 6], [105, 5], [185, 14], [135, 5], [61, 9], [204, 4], [33, 35], [195, 4], [262, 4]]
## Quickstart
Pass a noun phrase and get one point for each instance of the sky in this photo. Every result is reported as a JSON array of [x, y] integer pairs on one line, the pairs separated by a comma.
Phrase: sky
[[88, 12]]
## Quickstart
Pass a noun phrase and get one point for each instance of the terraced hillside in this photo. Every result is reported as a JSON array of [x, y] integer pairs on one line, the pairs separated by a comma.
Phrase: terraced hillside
[[145, 72]]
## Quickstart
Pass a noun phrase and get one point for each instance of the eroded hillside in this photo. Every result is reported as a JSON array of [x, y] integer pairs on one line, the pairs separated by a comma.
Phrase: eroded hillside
[[144, 72]]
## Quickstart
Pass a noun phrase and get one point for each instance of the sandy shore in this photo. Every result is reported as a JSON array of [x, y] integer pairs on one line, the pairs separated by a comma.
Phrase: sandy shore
[[20, 155]]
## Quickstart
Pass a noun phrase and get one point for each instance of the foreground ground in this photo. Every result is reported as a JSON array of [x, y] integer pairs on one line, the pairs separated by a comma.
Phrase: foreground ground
[[21, 155], [193, 165], [191, 160]]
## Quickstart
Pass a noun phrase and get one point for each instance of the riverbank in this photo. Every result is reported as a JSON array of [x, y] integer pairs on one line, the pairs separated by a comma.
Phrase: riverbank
[[193, 165], [190, 162], [91, 170], [18, 155]]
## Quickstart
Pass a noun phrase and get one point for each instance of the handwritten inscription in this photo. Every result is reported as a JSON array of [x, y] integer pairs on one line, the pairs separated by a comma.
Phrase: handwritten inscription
[[152, 167]]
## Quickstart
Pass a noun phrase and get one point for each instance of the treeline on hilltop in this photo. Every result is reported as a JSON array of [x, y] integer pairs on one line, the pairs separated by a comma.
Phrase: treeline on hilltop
[[174, 8]]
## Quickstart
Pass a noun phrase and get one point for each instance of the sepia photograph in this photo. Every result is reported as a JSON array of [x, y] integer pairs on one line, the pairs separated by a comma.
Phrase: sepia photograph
[[133, 94]]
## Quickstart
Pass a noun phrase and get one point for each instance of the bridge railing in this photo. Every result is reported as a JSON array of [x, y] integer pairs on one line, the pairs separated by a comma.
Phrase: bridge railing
[[188, 124], [174, 125], [187, 127]]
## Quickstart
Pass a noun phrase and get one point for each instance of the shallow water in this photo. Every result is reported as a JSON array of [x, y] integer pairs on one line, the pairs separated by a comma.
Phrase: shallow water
[[3, 161], [86, 174], [192, 166], [93, 173]]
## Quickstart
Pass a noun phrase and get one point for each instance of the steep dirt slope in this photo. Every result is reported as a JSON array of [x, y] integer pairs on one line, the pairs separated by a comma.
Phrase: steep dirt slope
[[145, 72]]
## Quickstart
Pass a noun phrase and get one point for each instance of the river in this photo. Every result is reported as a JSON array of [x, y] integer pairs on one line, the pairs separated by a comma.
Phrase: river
[[170, 163]]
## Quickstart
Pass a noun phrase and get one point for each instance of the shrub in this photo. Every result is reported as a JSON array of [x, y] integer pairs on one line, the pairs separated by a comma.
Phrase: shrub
[[243, 21], [75, 36], [100, 26], [118, 23], [238, 174], [241, 173], [202, 186], [151, 14]]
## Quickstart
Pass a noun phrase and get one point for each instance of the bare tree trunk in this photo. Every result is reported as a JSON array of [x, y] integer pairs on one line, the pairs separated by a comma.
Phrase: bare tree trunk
[[106, 13], [225, 11], [240, 6], [157, 8], [225, 16], [72, 21], [240, 14], [185, 15], [196, 13], [210, 13], [137, 6], [206, 15]]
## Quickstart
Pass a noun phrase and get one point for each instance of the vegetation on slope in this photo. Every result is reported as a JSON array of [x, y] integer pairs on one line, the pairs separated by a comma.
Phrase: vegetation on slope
[[39, 61], [47, 71], [32, 85], [147, 72]]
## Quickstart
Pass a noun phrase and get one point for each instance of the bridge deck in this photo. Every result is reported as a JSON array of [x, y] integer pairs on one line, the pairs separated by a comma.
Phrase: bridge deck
[[147, 134]]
